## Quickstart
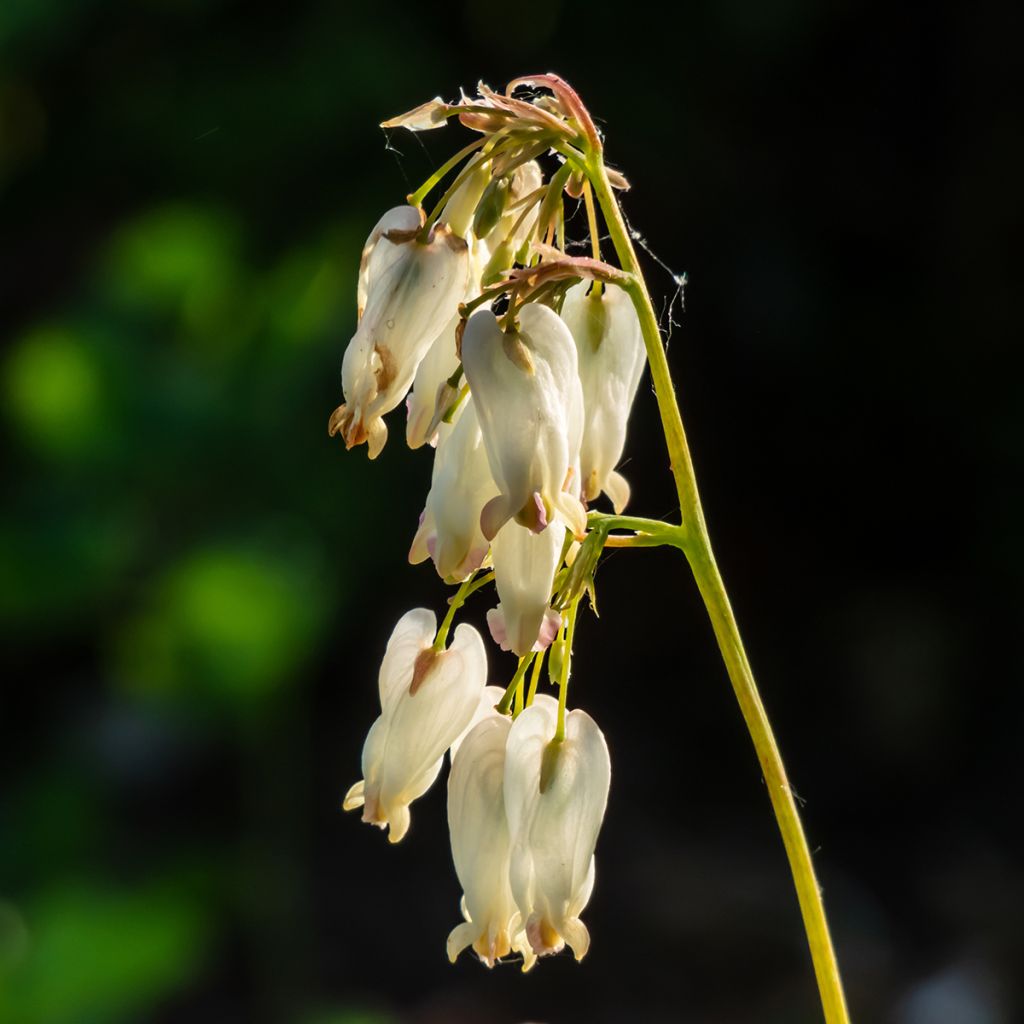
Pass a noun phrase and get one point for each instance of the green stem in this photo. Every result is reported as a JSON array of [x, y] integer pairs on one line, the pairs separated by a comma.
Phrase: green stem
[[502, 707], [538, 664], [694, 540], [467, 588], [563, 681], [417, 197]]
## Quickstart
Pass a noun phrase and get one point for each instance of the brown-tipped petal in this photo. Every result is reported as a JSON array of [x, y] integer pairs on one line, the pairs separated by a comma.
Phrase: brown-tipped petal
[[426, 116], [617, 180]]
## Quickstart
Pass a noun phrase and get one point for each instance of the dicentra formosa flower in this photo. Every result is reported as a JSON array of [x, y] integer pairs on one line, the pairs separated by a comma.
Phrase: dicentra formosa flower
[[410, 287], [555, 799], [612, 357], [427, 700], [530, 406], [481, 846]]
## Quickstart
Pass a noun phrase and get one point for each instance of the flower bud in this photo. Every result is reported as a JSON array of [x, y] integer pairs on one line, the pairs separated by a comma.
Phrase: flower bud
[[526, 180], [529, 401], [611, 354], [555, 799], [408, 301], [427, 699]]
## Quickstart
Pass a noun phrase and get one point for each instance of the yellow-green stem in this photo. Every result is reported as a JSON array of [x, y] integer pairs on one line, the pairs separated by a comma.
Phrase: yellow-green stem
[[697, 547]]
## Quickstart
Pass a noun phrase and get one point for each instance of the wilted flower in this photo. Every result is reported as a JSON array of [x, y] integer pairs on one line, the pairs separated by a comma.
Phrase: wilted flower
[[555, 799], [481, 846], [413, 288], [611, 352], [524, 569], [427, 700], [530, 406]]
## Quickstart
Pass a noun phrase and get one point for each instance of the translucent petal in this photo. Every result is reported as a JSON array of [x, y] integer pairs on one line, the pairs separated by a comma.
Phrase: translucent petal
[[530, 406], [380, 252], [611, 362], [524, 569], [554, 831], [480, 841], [413, 633], [432, 114], [460, 487], [440, 362], [485, 709]]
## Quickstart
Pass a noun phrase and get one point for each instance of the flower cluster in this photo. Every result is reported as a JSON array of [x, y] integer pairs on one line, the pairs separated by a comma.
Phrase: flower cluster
[[519, 364]]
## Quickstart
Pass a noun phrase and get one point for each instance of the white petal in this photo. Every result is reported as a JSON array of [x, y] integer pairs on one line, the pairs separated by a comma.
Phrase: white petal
[[530, 405], [480, 841], [440, 362], [485, 709], [460, 487], [611, 362], [524, 569], [380, 252], [413, 633]]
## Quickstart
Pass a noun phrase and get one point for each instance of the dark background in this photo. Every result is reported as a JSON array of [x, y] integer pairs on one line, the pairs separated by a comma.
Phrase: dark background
[[197, 584]]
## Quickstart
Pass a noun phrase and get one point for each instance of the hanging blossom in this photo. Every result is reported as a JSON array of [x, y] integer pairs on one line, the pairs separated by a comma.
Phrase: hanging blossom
[[481, 847], [428, 697], [524, 358], [412, 284], [530, 405], [611, 353], [555, 795]]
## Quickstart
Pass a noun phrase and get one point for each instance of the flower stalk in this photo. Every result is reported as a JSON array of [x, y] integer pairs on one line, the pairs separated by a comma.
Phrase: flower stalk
[[695, 543]]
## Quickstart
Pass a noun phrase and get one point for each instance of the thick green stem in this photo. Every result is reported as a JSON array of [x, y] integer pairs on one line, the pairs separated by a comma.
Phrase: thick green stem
[[697, 547]]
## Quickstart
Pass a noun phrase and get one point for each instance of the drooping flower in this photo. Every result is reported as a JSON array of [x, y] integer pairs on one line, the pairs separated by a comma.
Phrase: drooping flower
[[481, 846], [412, 289], [611, 362], [530, 405], [555, 799], [460, 487], [427, 699], [524, 569], [440, 362]]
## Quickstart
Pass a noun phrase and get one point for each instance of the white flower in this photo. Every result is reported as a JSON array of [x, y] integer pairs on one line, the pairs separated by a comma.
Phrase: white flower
[[530, 405], [555, 799], [524, 570], [412, 289], [481, 846], [460, 486], [427, 699], [611, 361], [440, 362]]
